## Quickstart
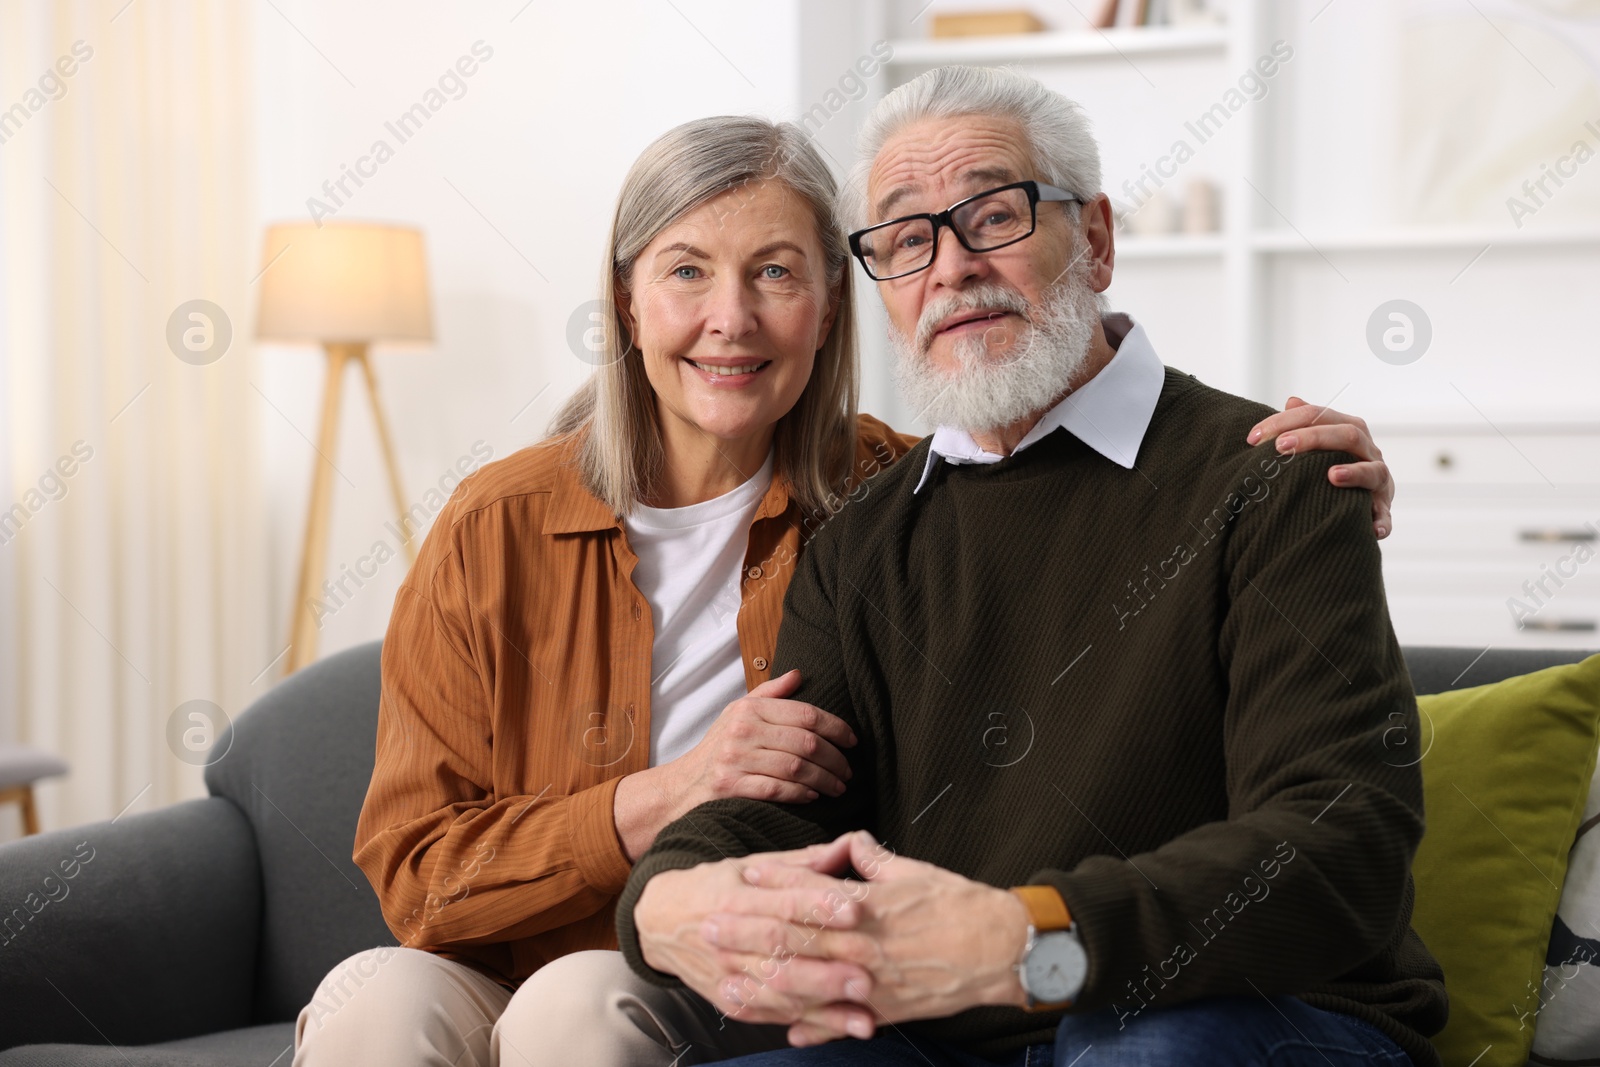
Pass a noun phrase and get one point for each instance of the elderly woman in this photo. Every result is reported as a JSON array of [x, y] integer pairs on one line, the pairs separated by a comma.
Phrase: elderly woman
[[580, 654]]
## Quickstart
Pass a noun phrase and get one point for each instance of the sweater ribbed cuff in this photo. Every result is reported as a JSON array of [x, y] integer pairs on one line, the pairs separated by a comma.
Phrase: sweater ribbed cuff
[[648, 867]]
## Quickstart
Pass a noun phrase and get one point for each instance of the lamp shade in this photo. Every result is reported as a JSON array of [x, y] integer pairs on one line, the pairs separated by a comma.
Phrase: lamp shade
[[344, 282]]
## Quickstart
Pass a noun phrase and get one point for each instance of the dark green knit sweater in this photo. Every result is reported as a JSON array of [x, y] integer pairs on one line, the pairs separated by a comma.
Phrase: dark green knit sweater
[[1164, 691]]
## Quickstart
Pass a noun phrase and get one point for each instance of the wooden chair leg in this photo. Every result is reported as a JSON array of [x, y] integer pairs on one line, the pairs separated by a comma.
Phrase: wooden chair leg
[[23, 795], [30, 814]]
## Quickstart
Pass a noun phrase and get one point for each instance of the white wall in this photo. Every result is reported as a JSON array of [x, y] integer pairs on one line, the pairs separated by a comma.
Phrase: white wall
[[513, 184], [540, 141]]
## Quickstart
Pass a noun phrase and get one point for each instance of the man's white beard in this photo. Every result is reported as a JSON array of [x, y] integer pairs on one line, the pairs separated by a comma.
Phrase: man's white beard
[[994, 390]]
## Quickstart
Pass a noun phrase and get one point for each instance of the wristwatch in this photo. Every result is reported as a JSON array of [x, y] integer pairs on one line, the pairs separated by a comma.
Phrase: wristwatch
[[1054, 965]]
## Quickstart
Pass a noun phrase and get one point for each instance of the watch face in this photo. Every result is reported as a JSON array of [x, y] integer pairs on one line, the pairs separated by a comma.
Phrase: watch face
[[1056, 968]]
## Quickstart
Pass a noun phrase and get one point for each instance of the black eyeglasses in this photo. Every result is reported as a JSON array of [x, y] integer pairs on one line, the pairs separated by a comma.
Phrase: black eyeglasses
[[982, 223]]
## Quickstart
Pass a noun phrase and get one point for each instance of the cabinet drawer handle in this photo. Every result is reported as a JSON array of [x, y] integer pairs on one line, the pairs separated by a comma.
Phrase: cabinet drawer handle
[[1554, 626], [1560, 536]]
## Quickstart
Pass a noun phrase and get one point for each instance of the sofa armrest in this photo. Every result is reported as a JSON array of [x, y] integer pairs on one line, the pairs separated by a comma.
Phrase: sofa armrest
[[130, 932]]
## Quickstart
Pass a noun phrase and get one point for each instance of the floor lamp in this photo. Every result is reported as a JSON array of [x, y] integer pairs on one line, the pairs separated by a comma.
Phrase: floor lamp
[[343, 285]]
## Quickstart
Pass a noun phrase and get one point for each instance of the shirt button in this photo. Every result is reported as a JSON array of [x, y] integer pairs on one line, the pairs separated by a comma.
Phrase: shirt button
[[753, 573], [759, 663], [636, 611]]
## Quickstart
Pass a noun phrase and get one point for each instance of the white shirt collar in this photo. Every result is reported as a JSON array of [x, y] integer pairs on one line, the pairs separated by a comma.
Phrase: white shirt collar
[[1110, 412]]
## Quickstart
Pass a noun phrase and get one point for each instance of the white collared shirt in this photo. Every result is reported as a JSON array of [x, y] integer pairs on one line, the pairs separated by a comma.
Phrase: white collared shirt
[[1110, 412]]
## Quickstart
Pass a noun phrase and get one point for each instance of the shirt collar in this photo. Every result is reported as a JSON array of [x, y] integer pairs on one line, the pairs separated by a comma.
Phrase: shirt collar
[[776, 500], [573, 509], [1110, 412]]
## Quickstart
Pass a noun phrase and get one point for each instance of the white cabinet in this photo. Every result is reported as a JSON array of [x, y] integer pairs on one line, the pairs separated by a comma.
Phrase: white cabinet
[[1497, 538]]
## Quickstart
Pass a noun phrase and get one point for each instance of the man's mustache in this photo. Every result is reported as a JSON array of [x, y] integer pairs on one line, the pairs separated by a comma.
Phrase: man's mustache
[[987, 297]]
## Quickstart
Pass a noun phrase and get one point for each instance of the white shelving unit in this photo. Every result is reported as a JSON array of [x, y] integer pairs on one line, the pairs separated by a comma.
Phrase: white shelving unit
[[1425, 239], [1494, 433], [1080, 44], [1178, 247]]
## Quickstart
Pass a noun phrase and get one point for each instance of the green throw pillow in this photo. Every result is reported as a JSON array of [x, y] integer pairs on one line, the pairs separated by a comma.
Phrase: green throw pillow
[[1504, 783]]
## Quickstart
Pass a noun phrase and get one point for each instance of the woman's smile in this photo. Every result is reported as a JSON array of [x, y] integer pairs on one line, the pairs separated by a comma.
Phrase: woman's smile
[[728, 373]]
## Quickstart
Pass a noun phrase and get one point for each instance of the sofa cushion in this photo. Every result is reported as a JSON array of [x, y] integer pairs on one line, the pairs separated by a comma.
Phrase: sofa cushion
[[253, 1046], [297, 763], [133, 931], [1569, 997], [1506, 771]]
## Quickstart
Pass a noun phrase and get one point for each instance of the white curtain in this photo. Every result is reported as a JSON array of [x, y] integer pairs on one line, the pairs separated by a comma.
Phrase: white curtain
[[135, 583]]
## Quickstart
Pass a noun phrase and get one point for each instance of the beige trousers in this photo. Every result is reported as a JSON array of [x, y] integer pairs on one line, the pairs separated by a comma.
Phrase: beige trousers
[[403, 1007]]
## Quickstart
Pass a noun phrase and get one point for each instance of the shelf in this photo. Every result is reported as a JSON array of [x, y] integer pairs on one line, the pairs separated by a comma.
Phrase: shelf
[[1078, 44], [1422, 239], [1530, 425], [1177, 246]]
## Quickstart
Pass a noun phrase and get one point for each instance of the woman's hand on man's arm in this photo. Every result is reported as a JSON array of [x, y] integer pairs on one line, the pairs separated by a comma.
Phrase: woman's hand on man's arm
[[762, 747], [1303, 427]]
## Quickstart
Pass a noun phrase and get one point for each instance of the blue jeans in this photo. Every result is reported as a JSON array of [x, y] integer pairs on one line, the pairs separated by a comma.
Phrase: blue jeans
[[1213, 1032]]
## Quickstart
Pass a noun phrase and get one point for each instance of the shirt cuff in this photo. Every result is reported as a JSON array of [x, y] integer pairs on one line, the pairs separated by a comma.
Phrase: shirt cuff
[[596, 848]]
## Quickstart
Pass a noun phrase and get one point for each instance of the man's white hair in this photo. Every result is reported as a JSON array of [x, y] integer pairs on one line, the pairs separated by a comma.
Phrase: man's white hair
[[1063, 148]]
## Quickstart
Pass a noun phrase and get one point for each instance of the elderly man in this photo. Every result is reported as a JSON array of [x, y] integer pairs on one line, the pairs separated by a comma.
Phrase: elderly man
[[1121, 687]]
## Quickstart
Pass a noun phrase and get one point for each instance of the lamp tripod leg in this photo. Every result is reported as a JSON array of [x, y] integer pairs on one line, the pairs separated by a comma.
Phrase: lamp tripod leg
[[389, 463], [314, 548]]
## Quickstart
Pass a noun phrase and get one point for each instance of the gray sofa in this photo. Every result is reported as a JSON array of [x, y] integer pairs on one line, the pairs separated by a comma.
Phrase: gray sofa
[[192, 935]]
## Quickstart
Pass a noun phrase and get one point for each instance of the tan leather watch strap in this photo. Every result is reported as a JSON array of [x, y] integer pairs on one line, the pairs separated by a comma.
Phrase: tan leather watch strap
[[1046, 909]]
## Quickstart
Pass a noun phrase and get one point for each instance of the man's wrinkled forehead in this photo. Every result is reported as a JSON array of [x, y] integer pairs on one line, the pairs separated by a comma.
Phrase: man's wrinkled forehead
[[960, 156]]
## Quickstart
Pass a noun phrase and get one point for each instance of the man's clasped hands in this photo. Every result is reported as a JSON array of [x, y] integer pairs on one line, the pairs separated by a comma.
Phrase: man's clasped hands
[[785, 937]]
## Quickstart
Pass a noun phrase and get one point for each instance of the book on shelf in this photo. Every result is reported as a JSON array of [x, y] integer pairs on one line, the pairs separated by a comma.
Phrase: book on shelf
[[985, 23], [1119, 14]]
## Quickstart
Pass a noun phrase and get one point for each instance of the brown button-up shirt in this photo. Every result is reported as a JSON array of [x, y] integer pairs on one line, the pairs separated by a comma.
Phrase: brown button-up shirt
[[516, 694]]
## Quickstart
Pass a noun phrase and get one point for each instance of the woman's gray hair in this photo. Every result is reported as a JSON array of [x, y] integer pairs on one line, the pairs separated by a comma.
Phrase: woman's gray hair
[[1057, 130], [613, 415]]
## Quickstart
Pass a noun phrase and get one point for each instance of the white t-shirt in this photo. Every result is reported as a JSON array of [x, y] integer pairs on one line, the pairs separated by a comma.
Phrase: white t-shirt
[[690, 564]]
